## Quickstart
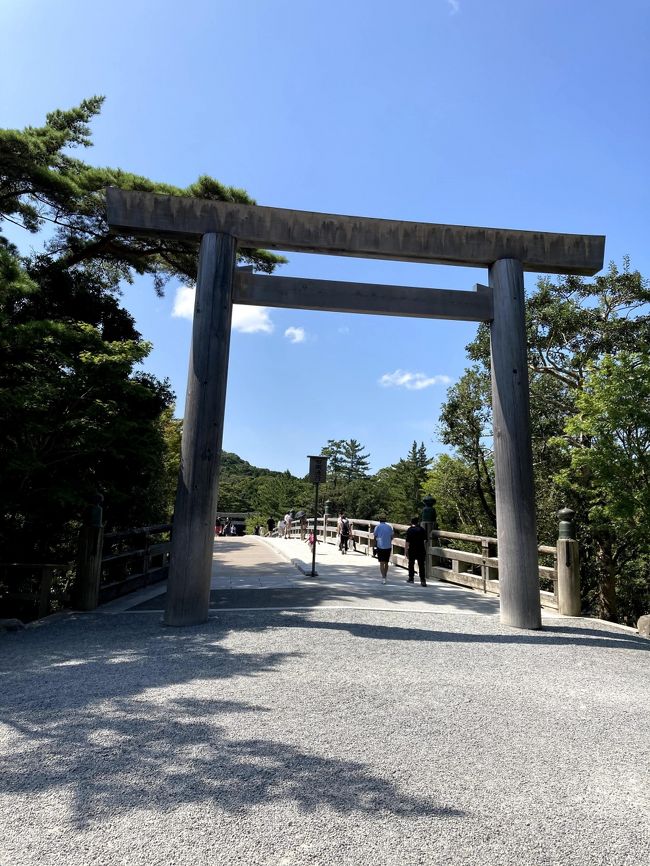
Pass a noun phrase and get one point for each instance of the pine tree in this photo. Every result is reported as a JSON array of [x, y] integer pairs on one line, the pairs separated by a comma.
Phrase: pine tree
[[356, 464], [404, 482], [335, 461]]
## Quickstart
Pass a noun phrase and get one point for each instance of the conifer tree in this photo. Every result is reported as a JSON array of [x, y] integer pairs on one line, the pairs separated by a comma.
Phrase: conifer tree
[[356, 463]]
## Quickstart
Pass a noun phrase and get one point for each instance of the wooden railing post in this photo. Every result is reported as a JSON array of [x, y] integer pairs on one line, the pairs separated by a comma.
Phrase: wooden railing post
[[89, 559], [485, 553], [45, 588], [568, 566], [146, 561]]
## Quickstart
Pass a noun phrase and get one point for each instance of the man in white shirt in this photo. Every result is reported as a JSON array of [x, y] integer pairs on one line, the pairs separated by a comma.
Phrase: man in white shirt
[[383, 534], [287, 524]]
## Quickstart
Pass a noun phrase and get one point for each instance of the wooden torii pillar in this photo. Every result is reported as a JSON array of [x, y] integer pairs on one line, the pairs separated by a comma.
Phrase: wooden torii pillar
[[221, 227], [190, 569]]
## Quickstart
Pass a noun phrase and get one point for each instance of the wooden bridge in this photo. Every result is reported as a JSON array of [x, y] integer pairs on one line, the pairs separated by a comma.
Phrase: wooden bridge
[[115, 565]]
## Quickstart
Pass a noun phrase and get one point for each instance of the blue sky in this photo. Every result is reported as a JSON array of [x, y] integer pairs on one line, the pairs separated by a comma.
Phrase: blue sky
[[529, 114]]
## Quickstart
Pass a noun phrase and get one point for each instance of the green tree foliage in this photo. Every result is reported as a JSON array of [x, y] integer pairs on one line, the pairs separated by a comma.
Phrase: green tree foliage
[[356, 463], [346, 461], [572, 325], [404, 482], [248, 488], [171, 430], [607, 446], [452, 483], [76, 412], [278, 493], [334, 453], [76, 416], [466, 425], [364, 498], [347, 467], [42, 184]]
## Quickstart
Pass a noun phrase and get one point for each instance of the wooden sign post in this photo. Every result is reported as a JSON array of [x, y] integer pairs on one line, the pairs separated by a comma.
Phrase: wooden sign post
[[317, 475]]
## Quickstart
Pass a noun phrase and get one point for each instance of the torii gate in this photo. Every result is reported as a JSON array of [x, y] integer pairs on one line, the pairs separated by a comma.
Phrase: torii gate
[[221, 227]]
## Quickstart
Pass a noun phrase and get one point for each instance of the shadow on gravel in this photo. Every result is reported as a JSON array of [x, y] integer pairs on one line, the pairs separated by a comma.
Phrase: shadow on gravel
[[101, 728], [550, 635], [315, 596]]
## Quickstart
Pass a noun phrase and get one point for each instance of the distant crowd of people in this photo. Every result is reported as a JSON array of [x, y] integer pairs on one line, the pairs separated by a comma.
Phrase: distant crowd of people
[[226, 527]]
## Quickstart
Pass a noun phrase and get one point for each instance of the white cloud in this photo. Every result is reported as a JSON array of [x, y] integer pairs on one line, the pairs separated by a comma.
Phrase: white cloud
[[184, 303], [344, 329], [454, 6], [296, 335], [251, 320], [247, 320], [412, 381]]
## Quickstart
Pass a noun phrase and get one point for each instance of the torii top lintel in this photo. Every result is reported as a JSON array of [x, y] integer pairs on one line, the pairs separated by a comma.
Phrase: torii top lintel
[[134, 212]]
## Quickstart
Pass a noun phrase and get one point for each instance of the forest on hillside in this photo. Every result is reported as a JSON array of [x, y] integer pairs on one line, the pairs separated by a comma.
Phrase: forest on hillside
[[79, 416]]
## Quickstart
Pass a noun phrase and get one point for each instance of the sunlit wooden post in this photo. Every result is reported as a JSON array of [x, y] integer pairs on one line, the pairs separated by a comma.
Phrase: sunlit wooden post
[[190, 568], [513, 456], [568, 566]]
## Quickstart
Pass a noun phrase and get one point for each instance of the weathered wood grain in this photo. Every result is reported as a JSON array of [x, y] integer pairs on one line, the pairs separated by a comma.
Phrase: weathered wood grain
[[568, 577], [292, 230], [190, 568], [344, 297], [513, 459]]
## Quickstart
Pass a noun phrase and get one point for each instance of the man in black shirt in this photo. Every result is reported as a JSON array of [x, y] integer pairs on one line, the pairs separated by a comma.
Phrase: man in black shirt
[[416, 539]]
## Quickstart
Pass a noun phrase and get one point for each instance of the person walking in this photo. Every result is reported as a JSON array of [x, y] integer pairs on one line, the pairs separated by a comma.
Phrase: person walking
[[383, 534], [344, 532], [415, 550], [270, 525], [287, 524]]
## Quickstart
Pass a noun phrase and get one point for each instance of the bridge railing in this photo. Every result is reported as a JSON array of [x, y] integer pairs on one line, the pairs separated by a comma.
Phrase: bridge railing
[[454, 557], [108, 566], [132, 559], [32, 590], [480, 569]]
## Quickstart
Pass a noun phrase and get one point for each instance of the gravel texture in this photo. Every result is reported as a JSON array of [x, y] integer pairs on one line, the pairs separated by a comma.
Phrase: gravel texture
[[316, 737]]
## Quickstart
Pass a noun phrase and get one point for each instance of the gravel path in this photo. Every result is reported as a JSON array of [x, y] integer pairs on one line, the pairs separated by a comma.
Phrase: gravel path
[[316, 737]]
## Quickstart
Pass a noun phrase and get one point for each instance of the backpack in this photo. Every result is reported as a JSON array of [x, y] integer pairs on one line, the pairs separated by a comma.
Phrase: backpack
[[345, 526]]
